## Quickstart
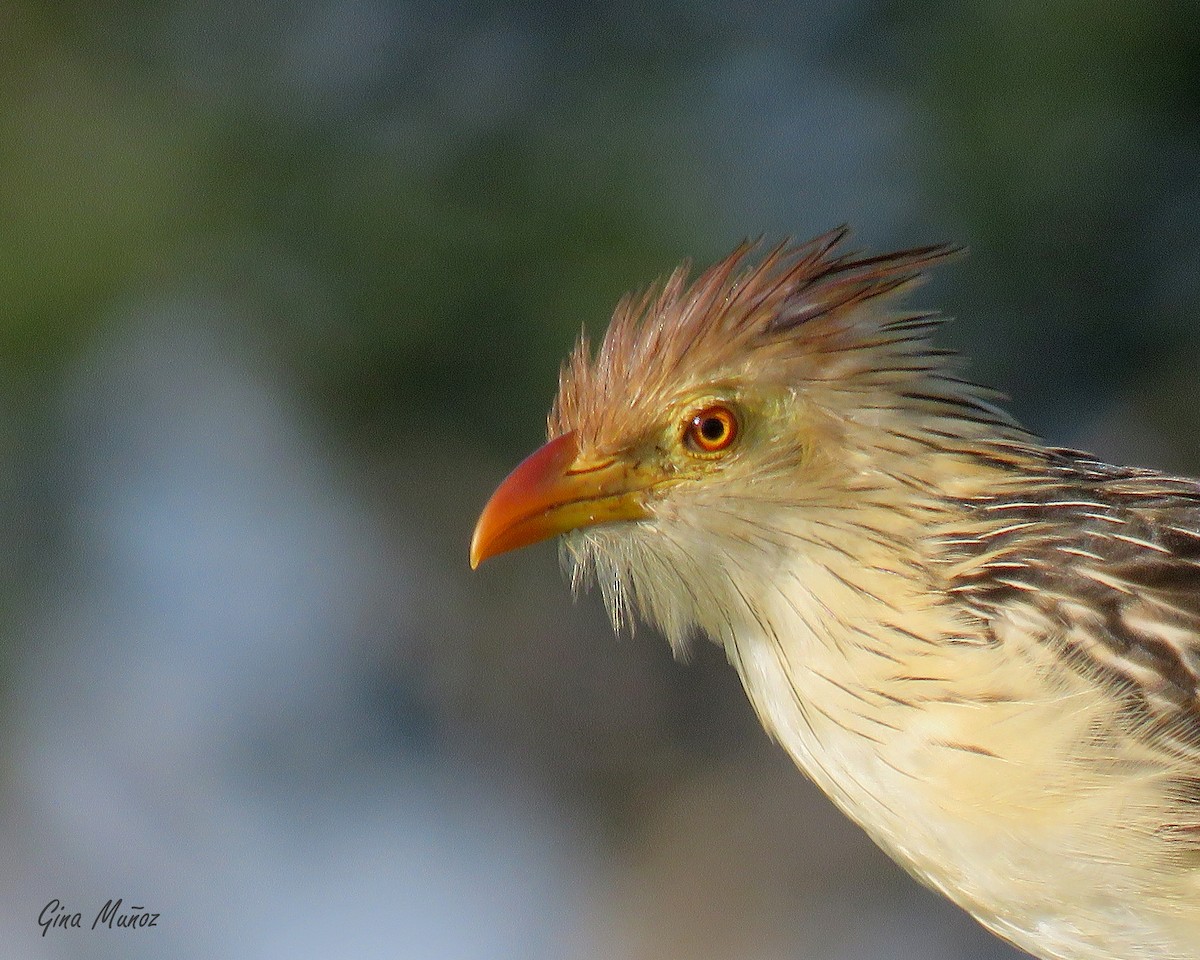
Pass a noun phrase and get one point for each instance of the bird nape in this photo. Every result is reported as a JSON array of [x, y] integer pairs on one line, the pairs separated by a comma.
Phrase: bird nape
[[984, 650]]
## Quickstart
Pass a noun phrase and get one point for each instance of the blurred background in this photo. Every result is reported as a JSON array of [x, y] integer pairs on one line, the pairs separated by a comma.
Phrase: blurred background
[[283, 292]]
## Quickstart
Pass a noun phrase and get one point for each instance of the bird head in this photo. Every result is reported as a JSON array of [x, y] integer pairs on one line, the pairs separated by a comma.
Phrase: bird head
[[728, 422]]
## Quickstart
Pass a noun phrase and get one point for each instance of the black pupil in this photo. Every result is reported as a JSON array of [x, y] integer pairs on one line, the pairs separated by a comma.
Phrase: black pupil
[[712, 429]]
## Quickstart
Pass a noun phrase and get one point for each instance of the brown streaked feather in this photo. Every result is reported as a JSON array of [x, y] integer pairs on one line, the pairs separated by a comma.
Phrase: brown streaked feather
[[1110, 559], [844, 282]]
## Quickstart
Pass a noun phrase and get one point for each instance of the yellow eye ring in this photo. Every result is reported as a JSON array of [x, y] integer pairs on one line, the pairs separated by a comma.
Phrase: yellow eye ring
[[711, 430]]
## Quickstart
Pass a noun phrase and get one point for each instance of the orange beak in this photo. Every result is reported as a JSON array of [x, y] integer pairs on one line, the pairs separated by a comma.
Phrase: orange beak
[[553, 491]]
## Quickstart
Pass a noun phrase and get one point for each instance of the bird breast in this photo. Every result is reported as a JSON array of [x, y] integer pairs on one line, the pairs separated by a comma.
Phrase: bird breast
[[962, 756]]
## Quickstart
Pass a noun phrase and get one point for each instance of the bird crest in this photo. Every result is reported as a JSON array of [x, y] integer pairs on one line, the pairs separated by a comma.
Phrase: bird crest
[[801, 311]]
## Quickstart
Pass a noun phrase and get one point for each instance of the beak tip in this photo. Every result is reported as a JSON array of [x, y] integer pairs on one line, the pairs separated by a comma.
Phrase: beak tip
[[477, 553]]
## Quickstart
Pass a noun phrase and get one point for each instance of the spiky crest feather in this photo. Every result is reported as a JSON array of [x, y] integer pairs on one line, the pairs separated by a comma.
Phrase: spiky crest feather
[[808, 314]]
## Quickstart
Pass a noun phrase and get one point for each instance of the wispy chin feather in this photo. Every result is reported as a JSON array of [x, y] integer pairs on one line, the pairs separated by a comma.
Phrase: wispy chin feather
[[687, 574], [640, 575], [585, 563]]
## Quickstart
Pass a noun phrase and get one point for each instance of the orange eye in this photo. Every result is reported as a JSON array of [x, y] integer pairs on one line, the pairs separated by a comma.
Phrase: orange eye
[[711, 430]]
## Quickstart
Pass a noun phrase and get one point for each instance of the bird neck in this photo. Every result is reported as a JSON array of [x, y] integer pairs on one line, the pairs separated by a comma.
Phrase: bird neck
[[842, 628]]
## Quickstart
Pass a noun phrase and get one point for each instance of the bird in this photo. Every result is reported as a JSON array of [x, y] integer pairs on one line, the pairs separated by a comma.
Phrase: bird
[[985, 650]]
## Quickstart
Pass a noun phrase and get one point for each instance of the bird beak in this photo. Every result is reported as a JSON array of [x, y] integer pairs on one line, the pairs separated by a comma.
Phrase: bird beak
[[553, 491]]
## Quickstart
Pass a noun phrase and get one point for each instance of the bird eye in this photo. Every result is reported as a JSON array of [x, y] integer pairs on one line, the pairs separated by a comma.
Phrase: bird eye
[[711, 430]]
